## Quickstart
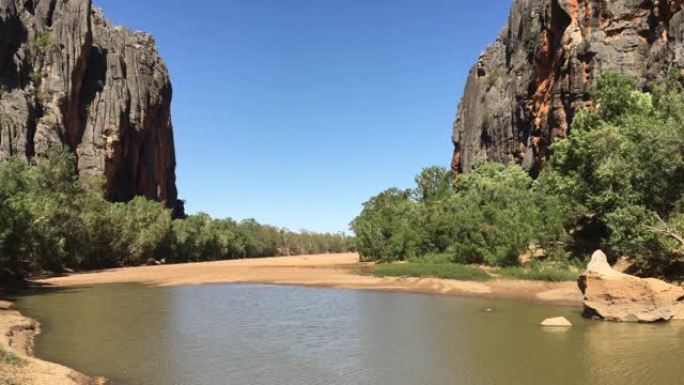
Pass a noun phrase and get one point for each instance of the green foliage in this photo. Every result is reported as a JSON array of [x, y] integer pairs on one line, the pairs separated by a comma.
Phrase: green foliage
[[493, 76], [51, 219], [491, 215], [433, 258], [431, 270], [434, 183], [42, 97], [385, 229], [500, 213], [617, 98], [43, 41], [198, 238], [9, 364], [201, 238], [9, 358], [36, 53], [621, 170], [616, 182], [485, 121], [39, 214], [543, 271], [144, 227]]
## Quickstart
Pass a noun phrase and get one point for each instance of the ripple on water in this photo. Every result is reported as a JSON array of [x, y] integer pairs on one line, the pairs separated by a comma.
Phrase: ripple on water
[[268, 335]]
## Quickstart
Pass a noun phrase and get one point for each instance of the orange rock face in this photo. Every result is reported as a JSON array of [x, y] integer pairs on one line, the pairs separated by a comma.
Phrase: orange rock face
[[530, 83]]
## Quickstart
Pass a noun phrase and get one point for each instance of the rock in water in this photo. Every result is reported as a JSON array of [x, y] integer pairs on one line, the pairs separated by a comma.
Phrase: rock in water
[[615, 296], [68, 76], [526, 87], [556, 322]]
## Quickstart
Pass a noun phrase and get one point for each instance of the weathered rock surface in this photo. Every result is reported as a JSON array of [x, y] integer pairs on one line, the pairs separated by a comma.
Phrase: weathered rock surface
[[615, 296], [527, 86], [556, 322], [69, 77]]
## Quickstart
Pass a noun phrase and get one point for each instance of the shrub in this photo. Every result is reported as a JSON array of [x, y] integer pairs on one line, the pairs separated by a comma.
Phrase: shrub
[[385, 230], [9, 364], [9, 358], [550, 272], [621, 171], [491, 215], [494, 76]]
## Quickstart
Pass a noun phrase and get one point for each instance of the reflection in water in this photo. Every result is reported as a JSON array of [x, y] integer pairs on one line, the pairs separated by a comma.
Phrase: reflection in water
[[251, 334], [634, 354]]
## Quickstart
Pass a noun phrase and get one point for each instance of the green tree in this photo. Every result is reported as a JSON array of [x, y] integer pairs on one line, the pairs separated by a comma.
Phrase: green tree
[[491, 215], [498, 212], [385, 230], [434, 183], [143, 230], [15, 221], [621, 171]]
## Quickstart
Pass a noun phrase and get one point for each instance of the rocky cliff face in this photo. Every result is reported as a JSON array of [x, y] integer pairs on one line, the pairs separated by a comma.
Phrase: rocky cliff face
[[71, 78], [526, 87]]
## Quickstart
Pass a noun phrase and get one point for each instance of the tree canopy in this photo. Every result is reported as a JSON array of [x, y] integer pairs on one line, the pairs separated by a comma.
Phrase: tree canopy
[[616, 182], [52, 219]]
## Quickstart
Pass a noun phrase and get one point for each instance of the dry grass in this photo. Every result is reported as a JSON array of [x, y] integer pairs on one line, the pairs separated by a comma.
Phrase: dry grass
[[10, 365]]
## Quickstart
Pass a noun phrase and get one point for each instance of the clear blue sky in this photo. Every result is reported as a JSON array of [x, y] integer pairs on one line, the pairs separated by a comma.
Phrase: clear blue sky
[[295, 112]]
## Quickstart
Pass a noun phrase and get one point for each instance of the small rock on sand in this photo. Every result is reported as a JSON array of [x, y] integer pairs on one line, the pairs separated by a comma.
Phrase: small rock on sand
[[558, 321]]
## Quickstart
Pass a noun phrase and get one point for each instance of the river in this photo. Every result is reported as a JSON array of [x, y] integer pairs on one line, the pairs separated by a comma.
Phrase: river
[[286, 335]]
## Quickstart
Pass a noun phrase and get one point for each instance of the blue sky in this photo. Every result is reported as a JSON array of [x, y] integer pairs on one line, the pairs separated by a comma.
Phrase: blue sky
[[295, 112]]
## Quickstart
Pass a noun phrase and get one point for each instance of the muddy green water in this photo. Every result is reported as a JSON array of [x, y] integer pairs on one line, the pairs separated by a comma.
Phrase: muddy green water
[[275, 335]]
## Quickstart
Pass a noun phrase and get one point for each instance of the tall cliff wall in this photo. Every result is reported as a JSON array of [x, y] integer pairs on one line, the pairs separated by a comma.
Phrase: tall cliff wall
[[70, 77], [526, 87]]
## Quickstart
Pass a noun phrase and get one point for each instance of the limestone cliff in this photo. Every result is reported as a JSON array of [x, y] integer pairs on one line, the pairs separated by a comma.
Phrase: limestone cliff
[[69, 77], [526, 87]]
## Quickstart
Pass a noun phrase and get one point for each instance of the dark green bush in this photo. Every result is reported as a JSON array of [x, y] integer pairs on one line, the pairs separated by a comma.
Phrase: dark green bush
[[621, 172], [491, 215]]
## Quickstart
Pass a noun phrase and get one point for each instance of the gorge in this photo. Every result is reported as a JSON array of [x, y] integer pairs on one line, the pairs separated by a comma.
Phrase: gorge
[[70, 78], [525, 89]]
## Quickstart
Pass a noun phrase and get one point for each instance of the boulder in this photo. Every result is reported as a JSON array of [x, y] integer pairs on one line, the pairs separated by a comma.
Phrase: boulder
[[615, 296], [556, 322]]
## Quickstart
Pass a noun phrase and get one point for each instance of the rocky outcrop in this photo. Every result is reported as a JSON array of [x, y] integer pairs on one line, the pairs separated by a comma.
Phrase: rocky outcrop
[[615, 296], [526, 87], [69, 77]]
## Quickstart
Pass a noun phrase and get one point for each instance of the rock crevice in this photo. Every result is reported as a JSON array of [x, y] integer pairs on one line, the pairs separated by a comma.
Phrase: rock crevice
[[69, 77], [526, 87]]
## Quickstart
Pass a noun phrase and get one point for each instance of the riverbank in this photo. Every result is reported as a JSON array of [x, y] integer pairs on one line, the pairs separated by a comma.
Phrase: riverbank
[[342, 271], [17, 364]]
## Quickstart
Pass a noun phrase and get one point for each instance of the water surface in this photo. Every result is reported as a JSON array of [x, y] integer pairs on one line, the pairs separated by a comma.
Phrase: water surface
[[280, 335]]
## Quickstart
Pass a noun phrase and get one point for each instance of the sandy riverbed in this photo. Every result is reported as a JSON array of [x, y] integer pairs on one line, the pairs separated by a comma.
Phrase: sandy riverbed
[[337, 271]]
